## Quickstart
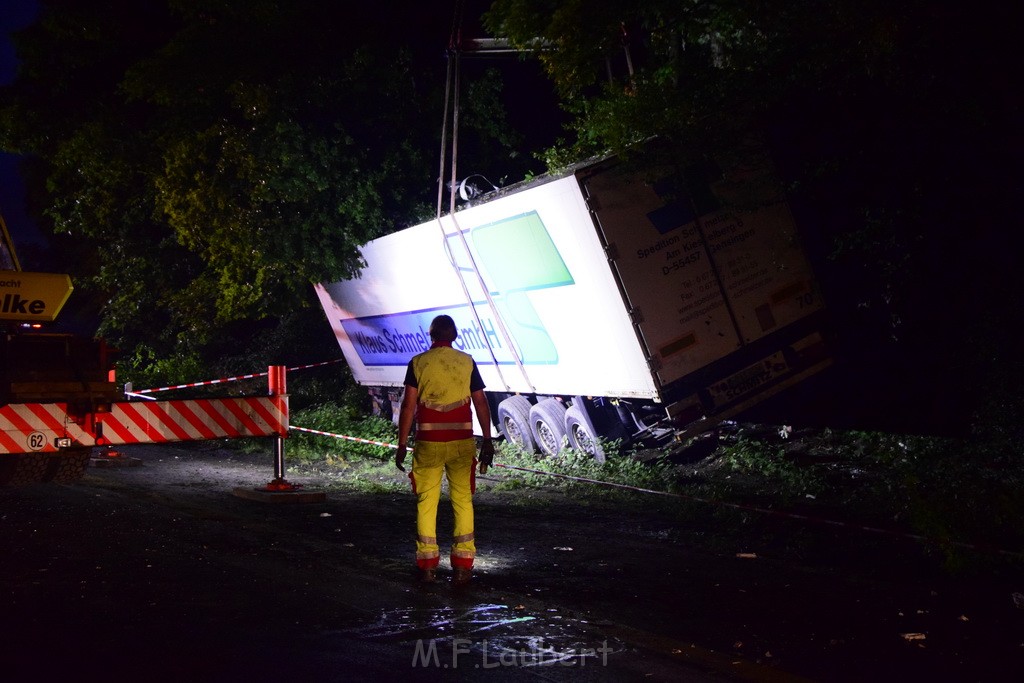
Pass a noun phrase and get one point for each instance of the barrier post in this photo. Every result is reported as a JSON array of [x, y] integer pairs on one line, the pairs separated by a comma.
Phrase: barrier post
[[280, 490], [105, 456], [278, 388]]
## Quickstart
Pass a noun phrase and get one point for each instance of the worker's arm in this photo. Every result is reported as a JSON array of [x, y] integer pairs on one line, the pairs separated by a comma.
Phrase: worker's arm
[[483, 414], [405, 418]]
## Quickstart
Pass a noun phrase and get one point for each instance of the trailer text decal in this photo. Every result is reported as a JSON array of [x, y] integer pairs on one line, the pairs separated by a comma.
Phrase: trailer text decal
[[515, 257], [394, 339]]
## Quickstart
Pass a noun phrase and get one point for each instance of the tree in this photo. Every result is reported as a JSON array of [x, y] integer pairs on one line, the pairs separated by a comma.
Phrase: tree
[[892, 123], [210, 162]]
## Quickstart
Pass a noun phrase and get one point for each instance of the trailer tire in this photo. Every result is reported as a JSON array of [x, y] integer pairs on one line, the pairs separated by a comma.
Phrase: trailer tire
[[514, 422], [22, 469], [581, 433], [547, 423], [68, 466]]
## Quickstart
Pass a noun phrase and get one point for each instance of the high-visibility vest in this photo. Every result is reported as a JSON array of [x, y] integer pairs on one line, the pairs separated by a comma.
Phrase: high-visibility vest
[[443, 410]]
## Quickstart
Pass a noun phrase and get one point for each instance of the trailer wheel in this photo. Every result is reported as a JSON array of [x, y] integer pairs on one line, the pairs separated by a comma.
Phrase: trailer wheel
[[547, 422], [68, 466], [581, 433], [21, 469], [514, 421]]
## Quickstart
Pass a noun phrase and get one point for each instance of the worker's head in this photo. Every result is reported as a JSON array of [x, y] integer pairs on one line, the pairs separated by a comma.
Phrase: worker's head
[[442, 329]]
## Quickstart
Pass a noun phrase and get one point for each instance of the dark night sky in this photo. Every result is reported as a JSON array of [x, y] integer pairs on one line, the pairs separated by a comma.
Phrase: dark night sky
[[14, 14]]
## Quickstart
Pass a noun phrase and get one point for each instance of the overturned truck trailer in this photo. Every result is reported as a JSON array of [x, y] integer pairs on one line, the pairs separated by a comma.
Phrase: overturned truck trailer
[[606, 301]]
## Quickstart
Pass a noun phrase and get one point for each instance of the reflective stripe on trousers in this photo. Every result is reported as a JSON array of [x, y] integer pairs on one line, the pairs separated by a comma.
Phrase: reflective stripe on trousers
[[431, 460]]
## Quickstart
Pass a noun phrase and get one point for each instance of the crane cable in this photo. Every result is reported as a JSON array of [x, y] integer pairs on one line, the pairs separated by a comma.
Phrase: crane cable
[[454, 40], [452, 93]]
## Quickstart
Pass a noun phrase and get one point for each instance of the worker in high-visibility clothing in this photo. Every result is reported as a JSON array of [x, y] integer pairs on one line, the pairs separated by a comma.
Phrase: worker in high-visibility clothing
[[440, 386]]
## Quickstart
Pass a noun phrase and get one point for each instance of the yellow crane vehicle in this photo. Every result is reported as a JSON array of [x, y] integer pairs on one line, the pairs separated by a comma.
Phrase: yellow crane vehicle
[[59, 380]]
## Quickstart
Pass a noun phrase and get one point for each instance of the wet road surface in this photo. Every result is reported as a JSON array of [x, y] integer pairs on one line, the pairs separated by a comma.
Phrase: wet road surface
[[158, 573]]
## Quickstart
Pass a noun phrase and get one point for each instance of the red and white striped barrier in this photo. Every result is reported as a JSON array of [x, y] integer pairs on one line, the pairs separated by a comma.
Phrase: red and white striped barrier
[[35, 427], [195, 420], [50, 427]]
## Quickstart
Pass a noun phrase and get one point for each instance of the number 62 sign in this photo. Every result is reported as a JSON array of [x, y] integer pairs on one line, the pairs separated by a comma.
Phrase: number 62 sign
[[36, 441]]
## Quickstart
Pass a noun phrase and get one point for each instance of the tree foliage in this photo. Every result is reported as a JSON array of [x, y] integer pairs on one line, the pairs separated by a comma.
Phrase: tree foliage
[[893, 123], [209, 161]]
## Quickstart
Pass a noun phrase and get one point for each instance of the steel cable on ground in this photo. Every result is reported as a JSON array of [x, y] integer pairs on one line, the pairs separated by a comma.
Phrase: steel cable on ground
[[719, 503]]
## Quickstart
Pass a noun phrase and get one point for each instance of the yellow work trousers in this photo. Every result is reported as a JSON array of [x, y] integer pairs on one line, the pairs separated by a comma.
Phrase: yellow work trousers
[[430, 461]]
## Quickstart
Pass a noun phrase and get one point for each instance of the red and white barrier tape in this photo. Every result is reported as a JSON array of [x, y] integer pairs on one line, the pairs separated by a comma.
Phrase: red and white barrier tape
[[315, 365], [142, 392], [201, 384], [342, 436]]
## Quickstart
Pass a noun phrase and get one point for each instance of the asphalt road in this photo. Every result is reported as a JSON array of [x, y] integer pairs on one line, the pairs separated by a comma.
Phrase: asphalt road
[[160, 573]]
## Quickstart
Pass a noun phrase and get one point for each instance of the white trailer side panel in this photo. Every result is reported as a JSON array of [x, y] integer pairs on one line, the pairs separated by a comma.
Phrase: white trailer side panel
[[705, 282], [553, 302]]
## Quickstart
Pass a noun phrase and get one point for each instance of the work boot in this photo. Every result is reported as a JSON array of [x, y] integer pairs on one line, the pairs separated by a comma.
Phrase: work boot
[[428, 575], [460, 576]]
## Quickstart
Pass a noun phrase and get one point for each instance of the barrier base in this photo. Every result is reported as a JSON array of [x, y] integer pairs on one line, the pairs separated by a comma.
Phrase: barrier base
[[268, 494]]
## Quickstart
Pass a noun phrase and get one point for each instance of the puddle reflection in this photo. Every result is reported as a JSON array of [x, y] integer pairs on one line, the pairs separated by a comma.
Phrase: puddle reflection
[[499, 633]]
